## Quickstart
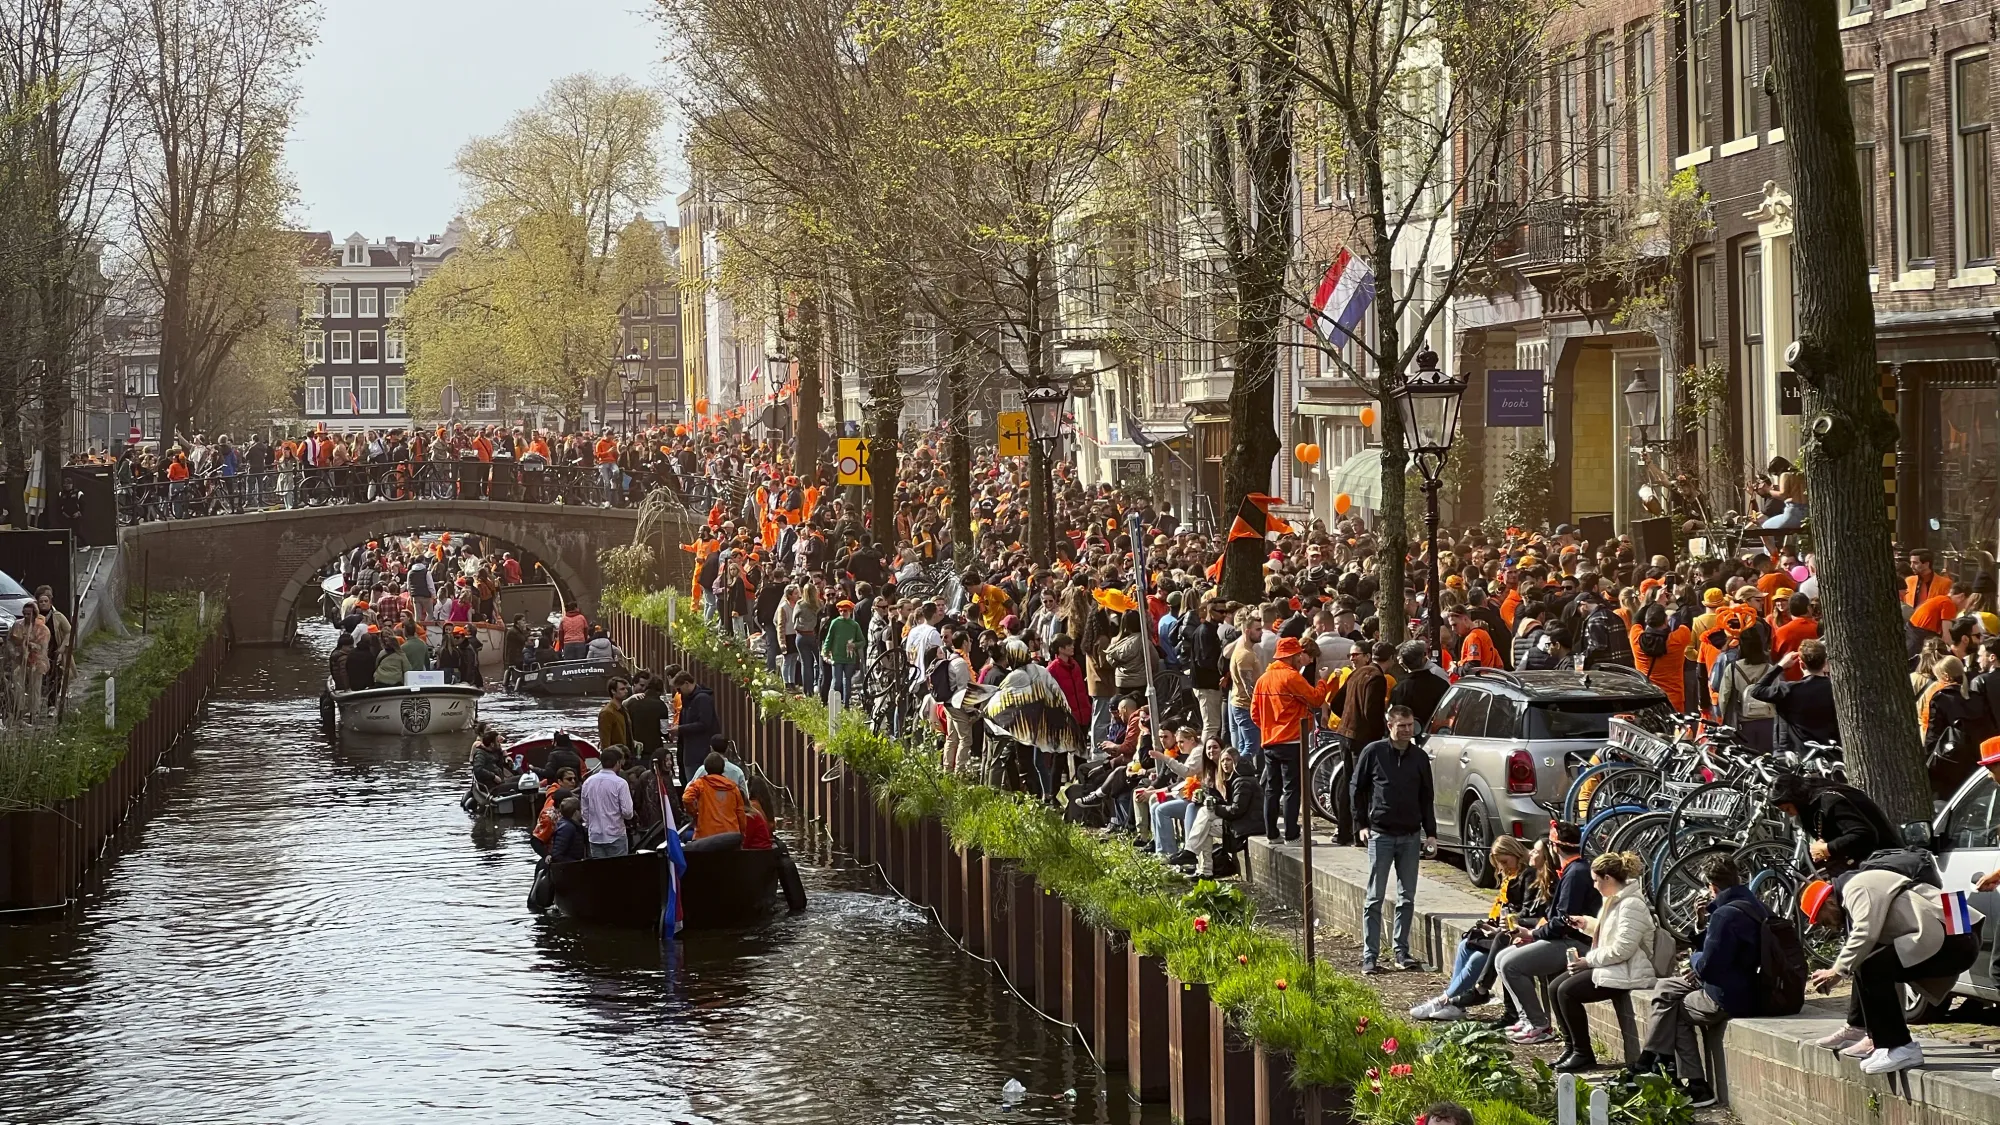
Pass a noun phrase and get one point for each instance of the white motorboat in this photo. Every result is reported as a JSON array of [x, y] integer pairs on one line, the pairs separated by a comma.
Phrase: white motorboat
[[409, 709]]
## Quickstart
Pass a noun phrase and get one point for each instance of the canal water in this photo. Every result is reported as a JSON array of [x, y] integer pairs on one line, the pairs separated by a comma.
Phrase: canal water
[[310, 929]]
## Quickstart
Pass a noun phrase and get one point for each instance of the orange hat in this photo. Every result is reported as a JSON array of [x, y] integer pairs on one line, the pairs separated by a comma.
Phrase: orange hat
[[1117, 601], [361, 603], [1989, 752], [1288, 646], [1813, 898], [843, 604], [1715, 598], [374, 628]]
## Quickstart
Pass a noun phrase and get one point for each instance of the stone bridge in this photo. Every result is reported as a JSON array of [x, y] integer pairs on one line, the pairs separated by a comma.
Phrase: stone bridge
[[270, 562]]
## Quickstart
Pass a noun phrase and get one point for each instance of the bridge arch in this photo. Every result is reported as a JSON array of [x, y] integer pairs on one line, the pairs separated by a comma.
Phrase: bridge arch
[[305, 577], [264, 561]]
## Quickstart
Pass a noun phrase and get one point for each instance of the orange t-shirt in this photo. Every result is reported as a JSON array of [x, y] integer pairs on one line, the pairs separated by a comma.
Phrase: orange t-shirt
[[1509, 606], [607, 451], [1773, 582], [1787, 638], [1478, 649], [177, 471], [1669, 672], [1931, 616], [483, 447]]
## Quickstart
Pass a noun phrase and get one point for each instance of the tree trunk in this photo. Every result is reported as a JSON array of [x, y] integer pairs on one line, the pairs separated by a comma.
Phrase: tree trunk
[[1392, 533], [1848, 430], [809, 397], [880, 316], [958, 444]]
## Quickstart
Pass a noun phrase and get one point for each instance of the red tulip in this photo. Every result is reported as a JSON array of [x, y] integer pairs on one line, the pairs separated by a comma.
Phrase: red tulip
[[1389, 1045], [1243, 958], [1374, 1072], [1201, 924], [1401, 1070], [1361, 1025], [1279, 983]]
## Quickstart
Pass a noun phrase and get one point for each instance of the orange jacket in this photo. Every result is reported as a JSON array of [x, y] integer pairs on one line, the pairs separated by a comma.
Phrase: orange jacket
[[1939, 584], [1282, 699], [1478, 649], [715, 803], [1669, 672], [1509, 606], [607, 451]]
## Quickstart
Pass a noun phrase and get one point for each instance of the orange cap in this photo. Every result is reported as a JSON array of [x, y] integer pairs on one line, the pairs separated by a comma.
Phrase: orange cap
[[1288, 646], [1813, 898]]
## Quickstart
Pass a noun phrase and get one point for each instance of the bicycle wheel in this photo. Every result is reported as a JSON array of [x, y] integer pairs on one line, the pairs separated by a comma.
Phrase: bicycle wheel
[[1329, 773], [1642, 834], [395, 483], [1605, 786], [1599, 829], [1767, 857], [1719, 806], [314, 491], [1683, 887]]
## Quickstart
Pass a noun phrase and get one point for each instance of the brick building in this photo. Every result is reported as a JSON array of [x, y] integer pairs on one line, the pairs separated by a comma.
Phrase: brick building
[[354, 291]]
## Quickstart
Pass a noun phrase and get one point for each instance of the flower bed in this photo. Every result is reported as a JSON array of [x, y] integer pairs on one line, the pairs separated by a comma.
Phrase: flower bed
[[1331, 1025]]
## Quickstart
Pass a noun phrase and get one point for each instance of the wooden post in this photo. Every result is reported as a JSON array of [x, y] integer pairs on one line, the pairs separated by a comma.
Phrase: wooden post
[[1079, 970], [1112, 970], [1146, 1027], [1187, 1051], [1232, 1073]]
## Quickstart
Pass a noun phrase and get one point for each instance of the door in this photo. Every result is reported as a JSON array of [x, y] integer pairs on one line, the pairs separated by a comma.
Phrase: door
[[1969, 849], [1449, 763], [1443, 746]]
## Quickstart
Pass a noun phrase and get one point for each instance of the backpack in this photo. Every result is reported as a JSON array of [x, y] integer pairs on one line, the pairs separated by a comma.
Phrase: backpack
[[1781, 967], [1913, 864], [1653, 642], [1744, 707]]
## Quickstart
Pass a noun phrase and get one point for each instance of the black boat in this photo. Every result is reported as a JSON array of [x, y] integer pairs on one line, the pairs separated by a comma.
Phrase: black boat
[[723, 889], [566, 677]]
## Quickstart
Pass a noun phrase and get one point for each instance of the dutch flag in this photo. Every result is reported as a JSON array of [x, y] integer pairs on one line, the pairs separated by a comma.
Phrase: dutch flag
[[1957, 912], [1343, 296], [672, 916]]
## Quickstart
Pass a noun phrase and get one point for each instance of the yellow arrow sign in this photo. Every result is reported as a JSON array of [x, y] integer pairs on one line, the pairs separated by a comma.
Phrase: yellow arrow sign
[[851, 458], [1013, 433]]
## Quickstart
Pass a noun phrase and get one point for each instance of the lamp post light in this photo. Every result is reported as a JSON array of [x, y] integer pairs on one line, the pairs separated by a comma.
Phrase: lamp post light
[[630, 367], [1642, 411], [1428, 400], [1045, 410]]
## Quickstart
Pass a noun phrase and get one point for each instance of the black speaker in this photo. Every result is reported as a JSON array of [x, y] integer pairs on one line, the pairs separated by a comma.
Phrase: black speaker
[[1653, 536], [1596, 529], [88, 505], [42, 558]]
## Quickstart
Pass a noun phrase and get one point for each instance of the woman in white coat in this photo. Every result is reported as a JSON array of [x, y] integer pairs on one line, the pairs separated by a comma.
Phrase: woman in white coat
[[1619, 961]]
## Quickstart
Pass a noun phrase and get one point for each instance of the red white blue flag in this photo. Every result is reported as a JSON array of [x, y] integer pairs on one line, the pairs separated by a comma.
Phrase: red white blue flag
[[1957, 912], [672, 913], [1341, 300]]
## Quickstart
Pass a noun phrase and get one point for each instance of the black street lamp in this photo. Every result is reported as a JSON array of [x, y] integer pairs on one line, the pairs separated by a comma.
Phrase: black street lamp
[[631, 366], [1642, 410], [1429, 400], [1045, 411]]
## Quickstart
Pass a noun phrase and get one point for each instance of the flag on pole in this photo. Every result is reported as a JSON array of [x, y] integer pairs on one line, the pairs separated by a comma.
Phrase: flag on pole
[[1957, 912], [1253, 518], [672, 915], [1343, 296]]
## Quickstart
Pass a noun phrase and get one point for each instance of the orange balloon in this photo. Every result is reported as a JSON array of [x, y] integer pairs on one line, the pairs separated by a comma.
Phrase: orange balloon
[[1342, 503], [1312, 454], [1367, 415], [701, 406], [1299, 451]]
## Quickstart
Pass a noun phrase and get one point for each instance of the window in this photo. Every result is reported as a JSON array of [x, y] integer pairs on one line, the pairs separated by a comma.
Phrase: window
[[487, 400], [371, 394], [392, 302], [392, 394], [1642, 69], [1537, 128], [343, 347], [1913, 166], [1861, 104], [315, 347], [1700, 68], [1858, 7], [1747, 75], [152, 384], [1972, 120], [1603, 71], [142, 379], [315, 396], [919, 346], [343, 394], [357, 254], [368, 347], [1750, 300], [364, 302], [1704, 309], [1574, 174], [315, 304], [392, 346], [1322, 177], [1974, 822], [343, 302]]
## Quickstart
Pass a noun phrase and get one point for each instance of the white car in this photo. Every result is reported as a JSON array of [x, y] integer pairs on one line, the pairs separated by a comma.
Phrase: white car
[[1966, 838]]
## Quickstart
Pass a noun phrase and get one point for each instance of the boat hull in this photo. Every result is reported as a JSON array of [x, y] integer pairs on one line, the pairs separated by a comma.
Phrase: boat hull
[[565, 677], [409, 710], [721, 890]]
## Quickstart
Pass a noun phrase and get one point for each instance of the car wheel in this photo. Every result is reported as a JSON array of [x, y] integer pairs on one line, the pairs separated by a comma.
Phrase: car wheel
[[1917, 1008], [1475, 833]]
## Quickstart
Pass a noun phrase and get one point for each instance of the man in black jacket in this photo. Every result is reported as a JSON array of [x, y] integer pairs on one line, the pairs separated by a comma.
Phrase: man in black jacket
[[698, 724], [1721, 983], [1201, 648], [1391, 794], [1605, 638], [1543, 951], [1804, 706], [1422, 684]]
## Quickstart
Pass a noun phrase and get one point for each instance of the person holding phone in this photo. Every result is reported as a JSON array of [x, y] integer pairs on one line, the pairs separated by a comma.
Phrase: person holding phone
[[1486, 938], [1543, 951], [1619, 960]]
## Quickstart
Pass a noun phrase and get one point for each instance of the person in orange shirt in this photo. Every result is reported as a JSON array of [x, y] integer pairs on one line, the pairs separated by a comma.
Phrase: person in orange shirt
[[714, 803], [1797, 628], [1666, 664], [1924, 581], [1475, 645], [1927, 620], [606, 454], [1279, 705]]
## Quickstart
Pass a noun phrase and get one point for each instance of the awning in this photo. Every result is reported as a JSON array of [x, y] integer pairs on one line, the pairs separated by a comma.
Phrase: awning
[[1331, 409], [1360, 476]]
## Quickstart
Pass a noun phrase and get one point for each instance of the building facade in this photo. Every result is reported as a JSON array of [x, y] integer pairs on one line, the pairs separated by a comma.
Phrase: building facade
[[352, 309]]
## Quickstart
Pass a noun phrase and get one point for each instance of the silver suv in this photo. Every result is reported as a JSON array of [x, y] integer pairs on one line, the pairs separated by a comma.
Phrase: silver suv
[[1503, 746], [1967, 842]]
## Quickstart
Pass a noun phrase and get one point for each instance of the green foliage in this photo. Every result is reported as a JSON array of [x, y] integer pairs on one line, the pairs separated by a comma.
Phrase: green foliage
[[1527, 491], [628, 567], [42, 766], [1654, 1099], [1334, 1026]]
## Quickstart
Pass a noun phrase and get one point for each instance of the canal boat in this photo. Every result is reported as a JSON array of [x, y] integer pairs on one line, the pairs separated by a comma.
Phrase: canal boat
[[722, 889], [567, 677], [529, 760], [332, 592], [409, 709]]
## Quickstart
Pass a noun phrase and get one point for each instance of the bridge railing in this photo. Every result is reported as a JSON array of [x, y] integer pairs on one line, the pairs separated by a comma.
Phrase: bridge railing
[[212, 494]]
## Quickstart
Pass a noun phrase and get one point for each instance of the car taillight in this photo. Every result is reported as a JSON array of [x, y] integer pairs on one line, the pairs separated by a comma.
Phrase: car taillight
[[1520, 832], [1520, 772]]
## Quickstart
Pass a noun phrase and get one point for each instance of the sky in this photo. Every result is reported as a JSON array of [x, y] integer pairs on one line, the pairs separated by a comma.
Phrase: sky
[[394, 87]]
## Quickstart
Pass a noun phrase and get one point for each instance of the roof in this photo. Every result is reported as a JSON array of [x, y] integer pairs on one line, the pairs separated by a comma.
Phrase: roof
[[1601, 683]]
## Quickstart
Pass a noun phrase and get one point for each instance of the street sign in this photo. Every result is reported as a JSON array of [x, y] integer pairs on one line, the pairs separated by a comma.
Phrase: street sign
[[851, 457], [1013, 433]]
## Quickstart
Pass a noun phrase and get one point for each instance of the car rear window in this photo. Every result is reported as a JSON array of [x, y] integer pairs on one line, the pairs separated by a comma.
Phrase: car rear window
[[1591, 718]]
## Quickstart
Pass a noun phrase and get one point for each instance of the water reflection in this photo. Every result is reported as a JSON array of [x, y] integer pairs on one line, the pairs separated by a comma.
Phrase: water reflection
[[310, 930]]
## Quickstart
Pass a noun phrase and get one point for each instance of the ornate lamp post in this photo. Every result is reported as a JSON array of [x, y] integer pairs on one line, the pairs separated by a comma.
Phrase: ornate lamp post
[[630, 368], [1429, 400]]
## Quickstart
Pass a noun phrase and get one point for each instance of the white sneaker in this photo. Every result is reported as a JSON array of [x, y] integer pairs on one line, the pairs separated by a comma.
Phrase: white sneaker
[[1890, 1060], [1846, 1036], [1860, 1050], [1447, 1012], [1423, 1011]]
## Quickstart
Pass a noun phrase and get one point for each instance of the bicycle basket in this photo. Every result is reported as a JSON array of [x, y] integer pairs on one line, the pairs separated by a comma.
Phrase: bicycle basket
[[1636, 743]]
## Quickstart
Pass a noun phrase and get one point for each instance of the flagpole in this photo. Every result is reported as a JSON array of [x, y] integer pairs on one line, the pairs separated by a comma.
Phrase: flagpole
[[1145, 626]]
